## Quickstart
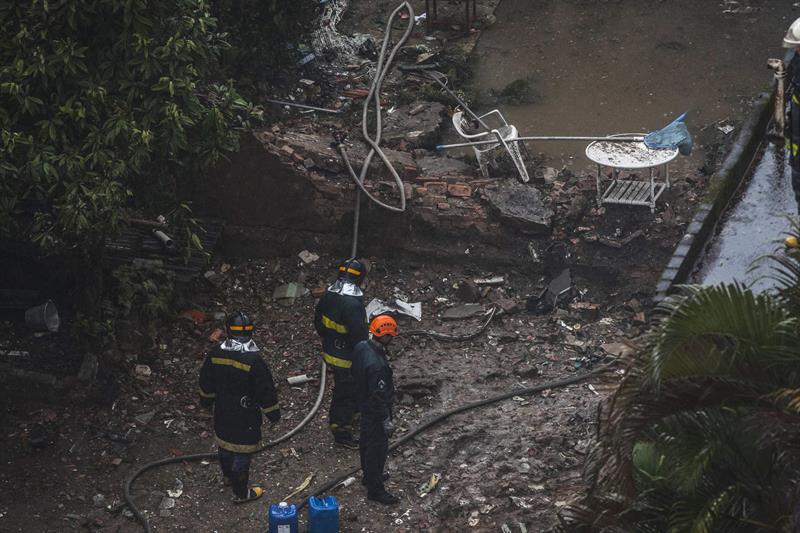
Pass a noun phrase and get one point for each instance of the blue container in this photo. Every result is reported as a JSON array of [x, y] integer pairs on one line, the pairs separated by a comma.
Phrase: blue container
[[283, 518], [323, 515]]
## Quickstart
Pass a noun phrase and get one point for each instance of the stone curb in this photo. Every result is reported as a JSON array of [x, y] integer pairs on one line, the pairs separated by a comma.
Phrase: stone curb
[[721, 189]]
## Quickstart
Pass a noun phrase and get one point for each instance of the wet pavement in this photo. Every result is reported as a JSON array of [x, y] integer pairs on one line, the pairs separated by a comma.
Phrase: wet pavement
[[755, 226], [629, 66]]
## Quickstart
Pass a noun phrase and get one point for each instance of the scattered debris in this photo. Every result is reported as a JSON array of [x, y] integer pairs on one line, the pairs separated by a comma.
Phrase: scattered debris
[[300, 488], [194, 315], [289, 292], [298, 380], [494, 281], [376, 307], [429, 485], [308, 257], [142, 370], [177, 491]]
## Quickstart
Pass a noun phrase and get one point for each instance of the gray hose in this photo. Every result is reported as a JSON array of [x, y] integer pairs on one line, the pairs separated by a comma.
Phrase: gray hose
[[211, 455], [374, 97]]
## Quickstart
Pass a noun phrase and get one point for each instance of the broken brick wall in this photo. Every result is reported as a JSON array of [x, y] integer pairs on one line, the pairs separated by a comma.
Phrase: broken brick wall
[[296, 180]]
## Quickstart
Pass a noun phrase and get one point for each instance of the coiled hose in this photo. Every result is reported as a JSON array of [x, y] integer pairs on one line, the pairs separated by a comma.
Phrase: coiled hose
[[526, 391], [374, 97], [212, 455]]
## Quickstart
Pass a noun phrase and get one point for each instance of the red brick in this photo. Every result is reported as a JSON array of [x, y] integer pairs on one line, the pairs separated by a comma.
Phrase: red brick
[[421, 191], [435, 187], [443, 206], [461, 190]]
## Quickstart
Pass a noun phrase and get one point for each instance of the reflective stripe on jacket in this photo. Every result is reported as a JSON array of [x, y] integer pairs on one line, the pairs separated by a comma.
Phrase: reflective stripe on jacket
[[341, 321], [239, 384]]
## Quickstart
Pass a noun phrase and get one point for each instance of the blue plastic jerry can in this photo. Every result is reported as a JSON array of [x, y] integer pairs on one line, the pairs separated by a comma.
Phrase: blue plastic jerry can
[[323, 515], [283, 518]]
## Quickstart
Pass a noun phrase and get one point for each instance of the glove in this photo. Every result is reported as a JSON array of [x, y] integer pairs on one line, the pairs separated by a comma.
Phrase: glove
[[388, 427]]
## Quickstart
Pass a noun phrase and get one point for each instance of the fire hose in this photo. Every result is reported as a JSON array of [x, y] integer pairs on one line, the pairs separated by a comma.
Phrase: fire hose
[[525, 391], [374, 97], [213, 455]]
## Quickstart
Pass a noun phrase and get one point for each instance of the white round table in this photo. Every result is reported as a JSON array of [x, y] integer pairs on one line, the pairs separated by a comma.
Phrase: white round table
[[630, 155]]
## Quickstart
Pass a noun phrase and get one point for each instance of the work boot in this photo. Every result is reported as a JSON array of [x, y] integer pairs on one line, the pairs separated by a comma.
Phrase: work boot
[[253, 493], [383, 497], [384, 477], [345, 440]]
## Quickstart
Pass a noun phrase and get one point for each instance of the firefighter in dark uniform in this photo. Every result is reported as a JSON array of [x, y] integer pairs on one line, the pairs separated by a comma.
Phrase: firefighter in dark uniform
[[375, 388], [341, 320], [792, 123], [237, 382]]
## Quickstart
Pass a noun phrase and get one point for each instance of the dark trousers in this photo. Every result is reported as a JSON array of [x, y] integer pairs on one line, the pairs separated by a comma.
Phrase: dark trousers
[[373, 445], [796, 185], [236, 467], [344, 406]]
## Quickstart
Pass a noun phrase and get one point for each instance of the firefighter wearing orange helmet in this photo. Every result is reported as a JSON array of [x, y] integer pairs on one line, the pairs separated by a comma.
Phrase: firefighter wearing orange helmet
[[375, 392]]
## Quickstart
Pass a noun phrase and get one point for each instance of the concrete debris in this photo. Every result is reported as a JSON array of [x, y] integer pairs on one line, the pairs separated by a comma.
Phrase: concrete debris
[[520, 206], [289, 291], [424, 120], [549, 174], [167, 503], [142, 370], [377, 307], [177, 491], [99, 500], [308, 257]]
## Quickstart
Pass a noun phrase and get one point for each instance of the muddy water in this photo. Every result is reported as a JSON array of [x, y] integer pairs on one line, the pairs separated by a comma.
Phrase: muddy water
[[753, 227], [604, 67]]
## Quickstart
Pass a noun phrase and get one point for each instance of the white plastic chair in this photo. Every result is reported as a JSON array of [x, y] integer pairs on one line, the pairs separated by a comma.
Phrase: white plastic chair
[[504, 134]]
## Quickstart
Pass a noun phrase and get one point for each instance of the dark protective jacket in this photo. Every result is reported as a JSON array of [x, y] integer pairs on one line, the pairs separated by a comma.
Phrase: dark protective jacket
[[373, 377], [792, 124], [341, 321], [238, 383]]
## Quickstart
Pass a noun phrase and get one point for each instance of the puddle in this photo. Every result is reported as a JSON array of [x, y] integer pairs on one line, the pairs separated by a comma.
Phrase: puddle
[[753, 227], [614, 66]]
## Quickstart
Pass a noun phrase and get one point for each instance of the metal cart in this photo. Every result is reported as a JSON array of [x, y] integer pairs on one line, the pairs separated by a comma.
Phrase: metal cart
[[630, 155]]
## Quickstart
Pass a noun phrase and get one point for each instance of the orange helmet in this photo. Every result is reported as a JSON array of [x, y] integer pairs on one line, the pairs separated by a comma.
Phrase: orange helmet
[[383, 325]]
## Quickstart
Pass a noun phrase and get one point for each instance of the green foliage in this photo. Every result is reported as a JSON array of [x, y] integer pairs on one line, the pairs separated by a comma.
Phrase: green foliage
[[186, 224], [262, 33], [144, 294], [92, 333], [702, 433], [99, 101]]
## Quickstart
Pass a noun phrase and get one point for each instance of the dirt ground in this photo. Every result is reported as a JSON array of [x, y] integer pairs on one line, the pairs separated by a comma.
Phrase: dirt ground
[[516, 461], [66, 452]]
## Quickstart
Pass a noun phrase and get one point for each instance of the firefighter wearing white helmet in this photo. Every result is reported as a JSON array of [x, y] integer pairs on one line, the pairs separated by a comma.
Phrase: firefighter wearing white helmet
[[792, 123]]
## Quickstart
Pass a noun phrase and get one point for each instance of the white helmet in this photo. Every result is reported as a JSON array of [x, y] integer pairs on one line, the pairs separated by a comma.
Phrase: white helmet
[[792, 37]]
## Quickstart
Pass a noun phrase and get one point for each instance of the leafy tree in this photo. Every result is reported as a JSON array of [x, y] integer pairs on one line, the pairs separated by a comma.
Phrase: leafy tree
[[262, 33], [702, 434], [104, 104]]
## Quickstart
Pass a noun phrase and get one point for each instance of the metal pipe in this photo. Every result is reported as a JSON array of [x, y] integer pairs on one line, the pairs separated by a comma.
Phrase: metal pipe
[[780, 93], [303, 106], [163, 238], [637, 138]]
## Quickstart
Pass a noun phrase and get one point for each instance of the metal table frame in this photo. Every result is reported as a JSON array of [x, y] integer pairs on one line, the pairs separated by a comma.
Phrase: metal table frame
[[632, 192]]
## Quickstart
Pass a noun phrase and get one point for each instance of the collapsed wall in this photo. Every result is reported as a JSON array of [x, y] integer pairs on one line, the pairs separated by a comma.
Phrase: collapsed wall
[[291, 177]]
